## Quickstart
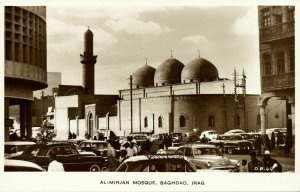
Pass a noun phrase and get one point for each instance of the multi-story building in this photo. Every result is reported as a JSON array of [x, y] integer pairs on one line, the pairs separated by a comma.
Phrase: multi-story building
[[277, 60], [25, 61]]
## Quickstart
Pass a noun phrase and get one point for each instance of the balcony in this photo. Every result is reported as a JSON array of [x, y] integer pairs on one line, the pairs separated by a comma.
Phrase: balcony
[[278, 31], [278, 82]]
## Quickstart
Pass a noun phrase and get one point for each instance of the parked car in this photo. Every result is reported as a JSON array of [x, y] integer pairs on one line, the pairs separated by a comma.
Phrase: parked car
[[66, 153], [157, 163], [13, 148], [20, 165], [95, 146], [139, 138], [176, 138], [209, 134], [156, 137], [233, 143], [249, 137], [233, 131], [276, 131], [191, 136], [205, 156]]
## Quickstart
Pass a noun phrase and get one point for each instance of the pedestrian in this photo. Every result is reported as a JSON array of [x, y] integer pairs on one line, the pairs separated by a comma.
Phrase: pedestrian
[[204, 139], [54, 165], [111, 157], [255, 165], [86, 135], [161, 150], [128, 150], [134, 147], [70, 135], [258, 145], [270, 164], [272, 141], [279, 139], [267, 142], [74, 135], [244, 166]]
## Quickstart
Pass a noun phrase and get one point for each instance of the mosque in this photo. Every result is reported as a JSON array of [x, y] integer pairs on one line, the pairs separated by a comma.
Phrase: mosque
[[172, 98]]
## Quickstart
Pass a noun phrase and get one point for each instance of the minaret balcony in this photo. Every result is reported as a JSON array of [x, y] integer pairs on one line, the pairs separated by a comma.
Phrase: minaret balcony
[[84, 59]]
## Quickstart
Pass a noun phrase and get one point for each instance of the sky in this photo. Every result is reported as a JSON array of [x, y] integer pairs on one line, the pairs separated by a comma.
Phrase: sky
[[125, 35]]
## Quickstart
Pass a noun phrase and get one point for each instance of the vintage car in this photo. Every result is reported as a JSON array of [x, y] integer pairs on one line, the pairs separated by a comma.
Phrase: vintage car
[[234, 131], [209, 134], [233, 143], [157, 163], [140, 139], [206, 156], [176, 138], [20, 165], [13, 148], [249, 137], [66, 153], [95, 146]]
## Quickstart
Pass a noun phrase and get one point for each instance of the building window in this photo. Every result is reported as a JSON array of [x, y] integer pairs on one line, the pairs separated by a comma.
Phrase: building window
[[292, 60], [258, 120], [266, 18], [145, 122], [182, 121], [278, 19], [280, 62], [291, 13], [160, 122], [237, 120], [211, 121], [267, 64]]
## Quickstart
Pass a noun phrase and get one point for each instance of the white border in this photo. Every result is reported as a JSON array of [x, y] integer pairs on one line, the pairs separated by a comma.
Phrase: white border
[[91, 181]]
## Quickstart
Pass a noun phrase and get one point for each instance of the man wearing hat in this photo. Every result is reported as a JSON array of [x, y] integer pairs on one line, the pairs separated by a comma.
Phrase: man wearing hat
[[255, 165], [270, 164]]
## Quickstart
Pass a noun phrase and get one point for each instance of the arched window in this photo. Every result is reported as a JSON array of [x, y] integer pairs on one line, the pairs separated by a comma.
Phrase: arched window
[[237, 120], [258, 120], [160, 122], [145, 122], [182, 121], [211, 121]]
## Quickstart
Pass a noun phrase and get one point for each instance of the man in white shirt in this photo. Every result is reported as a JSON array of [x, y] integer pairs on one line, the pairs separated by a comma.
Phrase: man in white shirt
[[55, 165]]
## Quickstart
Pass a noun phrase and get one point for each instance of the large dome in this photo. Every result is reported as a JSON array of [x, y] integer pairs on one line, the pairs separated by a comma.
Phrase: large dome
[[169, 72], [143, 77], [199, 70]]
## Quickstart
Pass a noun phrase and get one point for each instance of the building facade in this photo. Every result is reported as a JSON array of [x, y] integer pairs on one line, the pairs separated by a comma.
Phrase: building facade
[[277, 61], [25, 61]]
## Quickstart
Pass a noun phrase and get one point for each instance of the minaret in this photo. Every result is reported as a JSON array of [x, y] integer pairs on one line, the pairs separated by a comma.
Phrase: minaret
[[88, 61]]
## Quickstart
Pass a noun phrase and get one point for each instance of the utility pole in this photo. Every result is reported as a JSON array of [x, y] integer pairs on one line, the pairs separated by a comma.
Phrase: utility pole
[[42, 106], [235, 98], [131, 122], [224, 109]]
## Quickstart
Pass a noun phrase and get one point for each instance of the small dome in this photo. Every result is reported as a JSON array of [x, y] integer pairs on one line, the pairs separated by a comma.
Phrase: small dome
[[144, 76], [169, 72], [199, 70]]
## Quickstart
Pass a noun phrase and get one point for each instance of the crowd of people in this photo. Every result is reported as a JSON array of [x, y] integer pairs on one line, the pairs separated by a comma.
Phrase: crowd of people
[[267, 164]]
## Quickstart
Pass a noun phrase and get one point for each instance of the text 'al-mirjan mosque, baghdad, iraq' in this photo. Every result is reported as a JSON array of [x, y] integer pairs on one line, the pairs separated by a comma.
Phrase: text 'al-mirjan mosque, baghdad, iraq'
[[172, 98]]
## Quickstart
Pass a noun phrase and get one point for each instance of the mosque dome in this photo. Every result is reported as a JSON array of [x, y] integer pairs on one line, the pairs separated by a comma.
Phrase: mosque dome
[[199, 70], [169, 72], [143, 77]]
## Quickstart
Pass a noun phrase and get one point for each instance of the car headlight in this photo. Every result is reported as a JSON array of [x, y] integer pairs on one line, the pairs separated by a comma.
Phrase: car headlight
[[238, 163], [208, 164]]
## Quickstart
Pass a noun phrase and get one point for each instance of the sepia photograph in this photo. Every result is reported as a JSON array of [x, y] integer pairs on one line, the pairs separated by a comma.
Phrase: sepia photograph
[[140, 86]]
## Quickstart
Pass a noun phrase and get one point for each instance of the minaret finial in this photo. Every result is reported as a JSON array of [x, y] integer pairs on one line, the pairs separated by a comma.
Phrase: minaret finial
[[171, 53], [88, 27], [146, 60], [198, 52]]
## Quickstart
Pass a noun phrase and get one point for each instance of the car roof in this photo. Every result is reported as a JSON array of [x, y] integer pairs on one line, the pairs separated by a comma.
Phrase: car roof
[[198, 145], [209, 131], [232, 134], [154, 157], [93, 141], [21, 163], [19, 143]]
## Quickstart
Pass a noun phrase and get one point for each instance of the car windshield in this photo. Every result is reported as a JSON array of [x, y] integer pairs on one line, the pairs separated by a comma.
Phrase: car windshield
[[140, 137], [235, 138], [176, 134], [212, 133], [206, 151]]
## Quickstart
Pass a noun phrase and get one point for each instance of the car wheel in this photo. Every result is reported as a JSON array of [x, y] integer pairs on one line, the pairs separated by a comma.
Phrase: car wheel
[[95, 168], [229, 151]]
